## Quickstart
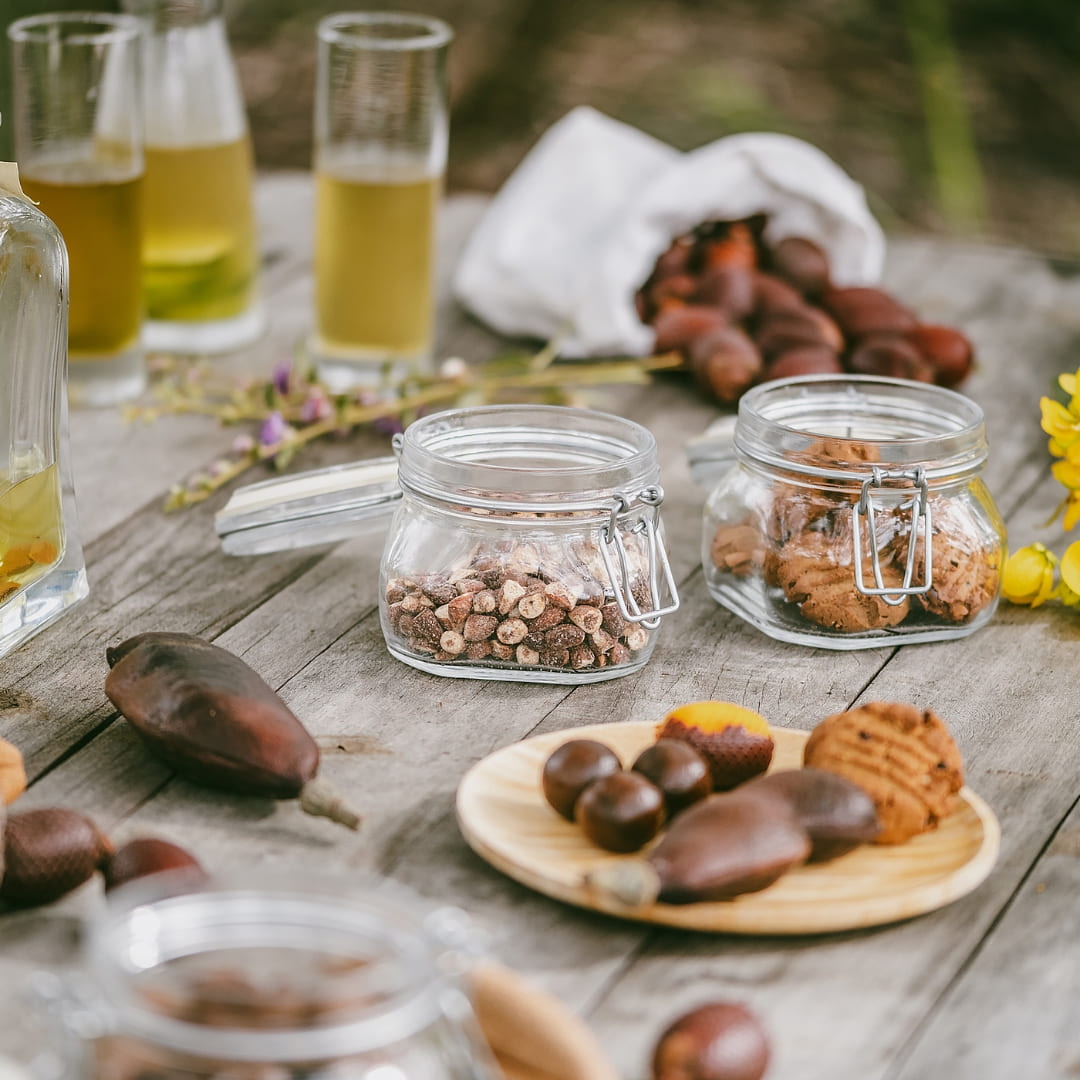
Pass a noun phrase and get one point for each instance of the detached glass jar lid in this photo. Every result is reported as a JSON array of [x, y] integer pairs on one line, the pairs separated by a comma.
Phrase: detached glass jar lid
[[854, 514]]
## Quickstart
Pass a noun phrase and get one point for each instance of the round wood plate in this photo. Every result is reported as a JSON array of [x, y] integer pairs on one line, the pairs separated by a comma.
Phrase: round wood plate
[[506, 820]]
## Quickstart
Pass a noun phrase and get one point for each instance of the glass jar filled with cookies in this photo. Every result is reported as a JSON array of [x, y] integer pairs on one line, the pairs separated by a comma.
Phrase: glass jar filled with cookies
[[853, 514]]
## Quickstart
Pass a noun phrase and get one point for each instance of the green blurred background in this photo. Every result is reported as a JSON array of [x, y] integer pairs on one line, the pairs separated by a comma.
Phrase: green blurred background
[[958, 116]]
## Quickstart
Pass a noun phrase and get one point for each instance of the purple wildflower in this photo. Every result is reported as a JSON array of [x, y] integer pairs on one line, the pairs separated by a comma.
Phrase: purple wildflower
[[282, 377], [316, 406], [274, 429]]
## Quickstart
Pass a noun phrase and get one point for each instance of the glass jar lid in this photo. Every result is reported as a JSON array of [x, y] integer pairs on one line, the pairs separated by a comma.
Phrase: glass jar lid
[[526, 458], [829, 427]]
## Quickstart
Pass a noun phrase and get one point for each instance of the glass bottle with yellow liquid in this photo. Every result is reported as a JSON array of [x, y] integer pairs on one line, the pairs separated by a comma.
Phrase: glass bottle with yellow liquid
[[199, 252], [41, 564]]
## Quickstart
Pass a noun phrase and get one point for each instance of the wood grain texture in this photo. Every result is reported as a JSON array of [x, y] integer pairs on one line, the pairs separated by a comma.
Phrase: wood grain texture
[[853, 1006], [504, 817]]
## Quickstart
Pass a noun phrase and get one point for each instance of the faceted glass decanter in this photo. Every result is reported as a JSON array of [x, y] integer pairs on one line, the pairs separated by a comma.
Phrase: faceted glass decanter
[[41, 563]]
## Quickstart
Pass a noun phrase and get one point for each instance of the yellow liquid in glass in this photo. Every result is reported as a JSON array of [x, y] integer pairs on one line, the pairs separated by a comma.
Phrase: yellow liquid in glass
[[199, 253], [374, 260], [31, 529], [100, 220]]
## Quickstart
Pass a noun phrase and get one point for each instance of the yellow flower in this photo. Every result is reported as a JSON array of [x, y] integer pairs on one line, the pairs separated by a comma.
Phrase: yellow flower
[[1069, 383], [1061, 424], [1070, 575], [1029, 575]]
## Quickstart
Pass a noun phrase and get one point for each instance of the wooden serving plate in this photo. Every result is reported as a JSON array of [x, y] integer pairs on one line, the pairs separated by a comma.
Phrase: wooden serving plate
[[506, 820]]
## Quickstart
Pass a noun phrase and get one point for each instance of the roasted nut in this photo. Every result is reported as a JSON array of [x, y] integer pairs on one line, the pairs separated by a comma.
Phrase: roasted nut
[[571, 768], [549, 617], [527, 656], [803, 360], [860, 311], [481, 650], [439, 591], [586, 617], [601, 640], [559, 595], [459, 609], [677, 327], [500, 651], [554, 657], [801, 263], [725, 362], [532, 604], [480, 627], [613, 621], [395, 592], [469, 585], [618, 654], [512, 631], [891, 355], [452, 642], [637, 637], [426, 627], [484, 602], [620, 812], [412, 603], [509, 595], [581, 656], [565, 636]]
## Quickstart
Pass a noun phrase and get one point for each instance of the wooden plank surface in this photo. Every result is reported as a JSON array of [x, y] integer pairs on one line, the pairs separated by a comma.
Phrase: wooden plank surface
[[901, 1003]]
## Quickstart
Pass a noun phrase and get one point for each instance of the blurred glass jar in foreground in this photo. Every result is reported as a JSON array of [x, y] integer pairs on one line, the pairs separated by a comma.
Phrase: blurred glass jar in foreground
[[854, 514], [381, 132], [41, 566], [253, 983], [199, 250], [78, 141]]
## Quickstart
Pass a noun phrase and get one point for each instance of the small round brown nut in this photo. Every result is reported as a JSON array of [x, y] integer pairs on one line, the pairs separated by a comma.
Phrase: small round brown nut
[[512, 631], [525, 656], [480, 627], [861, 310], [801, 263], [803, 360], [677, 327], [678, 770], [532, 605], [620, 812], [586, 617], [721, 1041], [146, 856], [729, 288], [571, 768], [725, 362], [452, 642], [890, 355]]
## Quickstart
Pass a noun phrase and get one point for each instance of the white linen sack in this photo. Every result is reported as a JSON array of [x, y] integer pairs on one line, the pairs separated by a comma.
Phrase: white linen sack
[[575, 231]]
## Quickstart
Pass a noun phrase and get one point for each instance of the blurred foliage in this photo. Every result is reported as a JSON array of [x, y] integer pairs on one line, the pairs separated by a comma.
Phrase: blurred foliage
[[957, 116]]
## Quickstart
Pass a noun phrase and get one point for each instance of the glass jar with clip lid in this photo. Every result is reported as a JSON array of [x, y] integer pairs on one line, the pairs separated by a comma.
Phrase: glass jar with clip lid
[[526, 542], [852, 514]]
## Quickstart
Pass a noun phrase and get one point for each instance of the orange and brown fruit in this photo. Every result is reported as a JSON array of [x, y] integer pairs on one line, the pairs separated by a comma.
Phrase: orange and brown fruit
[[736, 742]]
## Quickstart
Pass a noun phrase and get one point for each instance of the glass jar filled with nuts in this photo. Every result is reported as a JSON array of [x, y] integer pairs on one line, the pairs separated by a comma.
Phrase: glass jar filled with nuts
[[853, 514], [527, 546], [266, 980]]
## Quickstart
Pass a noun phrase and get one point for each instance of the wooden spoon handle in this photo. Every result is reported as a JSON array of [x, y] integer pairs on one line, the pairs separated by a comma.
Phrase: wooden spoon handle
[[534, 1036]]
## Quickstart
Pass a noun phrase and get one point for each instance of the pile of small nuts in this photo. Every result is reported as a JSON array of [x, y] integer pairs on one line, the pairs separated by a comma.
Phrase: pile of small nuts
[[489, 613]]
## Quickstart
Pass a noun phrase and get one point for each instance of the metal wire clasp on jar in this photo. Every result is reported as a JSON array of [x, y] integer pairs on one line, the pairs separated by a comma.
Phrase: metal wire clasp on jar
[[854, 513], [527, 546]]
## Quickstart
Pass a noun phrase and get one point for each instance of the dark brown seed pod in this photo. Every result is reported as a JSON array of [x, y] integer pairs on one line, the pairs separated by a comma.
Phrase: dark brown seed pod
[[725, 362], [209, 716], [48, 853], [620, 812], [862, 310], [789, 329], [891, 355], [729, 288], [773, 295], [677, 327], [572, 768], [803, 360], [720, 1041], [801, 263], [147, 856], [678, 770], [836, 813], [949, 353], [719, 848]]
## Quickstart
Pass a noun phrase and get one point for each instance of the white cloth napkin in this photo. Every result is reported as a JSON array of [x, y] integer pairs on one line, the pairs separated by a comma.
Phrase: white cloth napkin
[[575, 231]]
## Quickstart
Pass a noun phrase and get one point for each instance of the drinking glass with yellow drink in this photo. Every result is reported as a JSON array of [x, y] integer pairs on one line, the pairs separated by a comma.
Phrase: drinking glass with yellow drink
[[199, 253], [78, 138], [381, 131]]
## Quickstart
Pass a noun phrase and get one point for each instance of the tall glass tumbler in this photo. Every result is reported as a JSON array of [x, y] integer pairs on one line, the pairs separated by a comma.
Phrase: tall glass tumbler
[[78, 140], [381, 132]]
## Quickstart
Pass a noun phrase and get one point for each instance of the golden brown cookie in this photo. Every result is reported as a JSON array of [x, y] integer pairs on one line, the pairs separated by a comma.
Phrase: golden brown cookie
[[903, 757], [738, 549], [815, 572]]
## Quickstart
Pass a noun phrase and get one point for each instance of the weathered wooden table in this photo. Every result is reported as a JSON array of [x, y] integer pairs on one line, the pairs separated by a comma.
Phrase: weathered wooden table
[[986, 988]]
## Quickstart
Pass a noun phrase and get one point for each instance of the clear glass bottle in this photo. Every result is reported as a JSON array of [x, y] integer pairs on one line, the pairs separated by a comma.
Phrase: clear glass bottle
[[266, 981], [826, 467], [41, 563], [200, 255]]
